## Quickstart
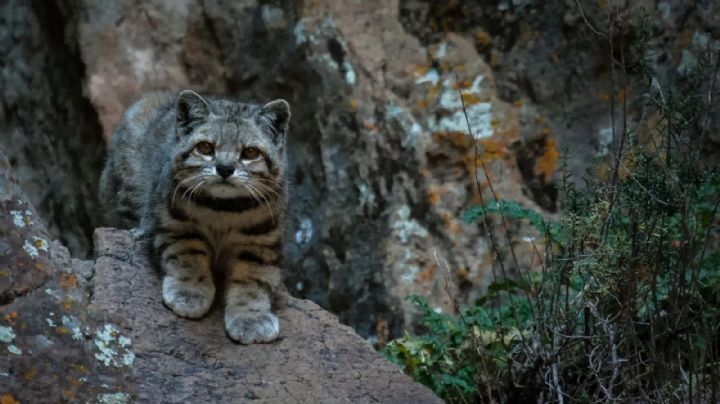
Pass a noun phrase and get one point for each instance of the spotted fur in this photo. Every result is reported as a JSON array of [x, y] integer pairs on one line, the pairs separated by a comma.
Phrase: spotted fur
[[209, 214]]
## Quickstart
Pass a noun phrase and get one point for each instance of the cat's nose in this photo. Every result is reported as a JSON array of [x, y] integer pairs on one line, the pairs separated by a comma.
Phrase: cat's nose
[[224, 170]]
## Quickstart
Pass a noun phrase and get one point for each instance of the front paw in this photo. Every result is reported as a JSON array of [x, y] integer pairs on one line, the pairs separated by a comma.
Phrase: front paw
[[249, 328], [191, 299]]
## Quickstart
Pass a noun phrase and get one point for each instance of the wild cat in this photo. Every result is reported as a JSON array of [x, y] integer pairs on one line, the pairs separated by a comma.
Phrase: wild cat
[[204, 177]]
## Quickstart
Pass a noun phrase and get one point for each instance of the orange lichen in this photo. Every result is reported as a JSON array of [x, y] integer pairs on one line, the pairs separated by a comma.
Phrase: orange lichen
[[604, 97], [472, 99], [621, 95], [62, 330], [420, 70], [370, 125], [518, 103], [461, 85], [435, 194], [427, 275], [459, 139], [545, 165], [8, 398], [30, 374], [67, 305], [4, 273], [483, 38], [78, 367], [451, 223], [68, 281], [11, 317], [353, 104], [491, 150], [75, 382]]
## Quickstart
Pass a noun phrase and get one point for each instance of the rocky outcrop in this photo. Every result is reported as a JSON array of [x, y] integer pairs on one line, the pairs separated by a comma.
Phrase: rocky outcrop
[[84, 331]]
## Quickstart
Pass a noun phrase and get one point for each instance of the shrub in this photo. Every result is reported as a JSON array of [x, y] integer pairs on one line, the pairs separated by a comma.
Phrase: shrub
[[626, 306]]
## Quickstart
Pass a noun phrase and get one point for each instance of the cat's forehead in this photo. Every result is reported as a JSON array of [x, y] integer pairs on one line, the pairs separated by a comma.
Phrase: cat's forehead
[[231, 122], [234, 111]]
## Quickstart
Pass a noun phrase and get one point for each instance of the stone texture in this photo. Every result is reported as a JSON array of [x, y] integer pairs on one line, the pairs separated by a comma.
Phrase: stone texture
[[316, 359], [49, 346], [49, 129]]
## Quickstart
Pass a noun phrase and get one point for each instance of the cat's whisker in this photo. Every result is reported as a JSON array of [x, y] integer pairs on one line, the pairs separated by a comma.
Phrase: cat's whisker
[[267, 203], [263, 187], [177, 187], [189, 190], [196, 188]]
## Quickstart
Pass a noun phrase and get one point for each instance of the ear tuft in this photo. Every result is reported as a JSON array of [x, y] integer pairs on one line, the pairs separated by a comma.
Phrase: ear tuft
[[275, 115], [190, 109]]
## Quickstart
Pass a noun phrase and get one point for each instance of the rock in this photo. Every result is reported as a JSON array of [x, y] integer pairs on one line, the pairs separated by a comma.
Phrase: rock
[[316, 359], [79, 331], [49, 346], [48, 127]]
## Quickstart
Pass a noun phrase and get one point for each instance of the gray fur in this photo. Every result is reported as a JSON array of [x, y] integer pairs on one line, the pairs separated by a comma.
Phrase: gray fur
[[158, 178]]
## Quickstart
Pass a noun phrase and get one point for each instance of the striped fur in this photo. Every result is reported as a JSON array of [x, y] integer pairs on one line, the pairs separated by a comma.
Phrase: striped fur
[[160, 176]]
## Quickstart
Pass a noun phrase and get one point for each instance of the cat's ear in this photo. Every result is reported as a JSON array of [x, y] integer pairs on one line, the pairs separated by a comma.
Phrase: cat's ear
[[275, 115], [190, 109]]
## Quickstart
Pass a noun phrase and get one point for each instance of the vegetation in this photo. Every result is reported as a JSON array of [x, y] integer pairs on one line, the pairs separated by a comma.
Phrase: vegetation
[[626, 306]]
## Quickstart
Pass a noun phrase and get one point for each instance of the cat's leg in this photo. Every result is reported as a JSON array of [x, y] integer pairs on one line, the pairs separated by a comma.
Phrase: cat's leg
[[248, 299], [188, 288]]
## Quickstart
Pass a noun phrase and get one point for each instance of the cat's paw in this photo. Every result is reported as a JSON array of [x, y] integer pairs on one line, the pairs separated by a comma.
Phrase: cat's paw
[[191, 299], [250, 328]]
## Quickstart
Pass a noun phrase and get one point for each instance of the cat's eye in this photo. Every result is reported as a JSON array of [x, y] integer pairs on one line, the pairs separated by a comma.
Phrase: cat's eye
[[250, 153], [205, 148]]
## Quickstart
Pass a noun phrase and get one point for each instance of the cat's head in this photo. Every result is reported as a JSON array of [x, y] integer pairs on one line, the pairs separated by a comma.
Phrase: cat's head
[[227, 149]]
